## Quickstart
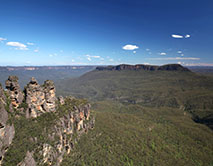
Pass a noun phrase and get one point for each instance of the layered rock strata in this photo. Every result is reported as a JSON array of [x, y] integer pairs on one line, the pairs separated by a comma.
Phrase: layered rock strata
[[40, 99]]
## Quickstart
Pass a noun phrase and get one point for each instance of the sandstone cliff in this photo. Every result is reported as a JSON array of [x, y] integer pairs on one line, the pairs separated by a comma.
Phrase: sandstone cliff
[[7, 130], [46, 127]]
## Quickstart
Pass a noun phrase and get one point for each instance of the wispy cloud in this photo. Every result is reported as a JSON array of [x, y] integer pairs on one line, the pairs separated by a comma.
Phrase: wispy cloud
[[162, 53], [176, 58], [89, 59], [179, 52], [30, 44], [19, 46], [199, 64], [130, 47], [36, 50], [134, 52], [111, 60], [147, 49], [2, 39]]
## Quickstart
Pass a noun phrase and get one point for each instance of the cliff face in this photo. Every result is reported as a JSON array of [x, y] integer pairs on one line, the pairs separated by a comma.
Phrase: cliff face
[[169, 67], [7, 130], [49, 127], [40, 99]]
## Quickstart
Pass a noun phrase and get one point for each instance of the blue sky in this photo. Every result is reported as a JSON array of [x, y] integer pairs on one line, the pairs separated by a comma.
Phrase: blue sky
[[103, 32]]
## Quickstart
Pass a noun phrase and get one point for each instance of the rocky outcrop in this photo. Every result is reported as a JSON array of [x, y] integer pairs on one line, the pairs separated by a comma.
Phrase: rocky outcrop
[[169, 67], [14, 91], [68, 130], [40, 99], [7, 130], [61, 122]]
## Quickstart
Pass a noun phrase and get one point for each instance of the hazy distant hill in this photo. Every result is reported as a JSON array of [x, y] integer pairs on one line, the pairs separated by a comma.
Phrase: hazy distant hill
[[42, 73]]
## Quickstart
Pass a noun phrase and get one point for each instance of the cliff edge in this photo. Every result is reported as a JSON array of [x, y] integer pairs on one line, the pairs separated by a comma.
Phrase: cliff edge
[[169, 67]]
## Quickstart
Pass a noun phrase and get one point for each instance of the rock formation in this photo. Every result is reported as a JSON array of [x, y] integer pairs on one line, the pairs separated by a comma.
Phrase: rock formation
[[169, 67], [14, 91], [40, 99], [61, 122], [7, 130]]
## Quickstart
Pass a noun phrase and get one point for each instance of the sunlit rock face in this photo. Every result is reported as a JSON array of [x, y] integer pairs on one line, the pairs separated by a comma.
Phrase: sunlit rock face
[[40, 99], [50, 98], [14, 91], [7, 130]]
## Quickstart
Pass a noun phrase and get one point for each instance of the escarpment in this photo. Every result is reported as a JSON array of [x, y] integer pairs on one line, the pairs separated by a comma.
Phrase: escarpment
[[168, 67], [36, 127]]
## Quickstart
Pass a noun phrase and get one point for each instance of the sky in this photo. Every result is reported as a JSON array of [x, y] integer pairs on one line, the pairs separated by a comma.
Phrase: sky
[[106, 32]]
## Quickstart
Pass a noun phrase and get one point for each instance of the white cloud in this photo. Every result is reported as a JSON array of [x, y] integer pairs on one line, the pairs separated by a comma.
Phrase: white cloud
[[177, 36], [130, 47], [176, 58], [187, 36], [73, 60], [51, 55], [179, 52], [134, 52], [182, 54], [2, 39], [19, 46], [162, 53], [111, 60], [36, 50], [181, 36], [30, 44], [89, 59], [147, 49]]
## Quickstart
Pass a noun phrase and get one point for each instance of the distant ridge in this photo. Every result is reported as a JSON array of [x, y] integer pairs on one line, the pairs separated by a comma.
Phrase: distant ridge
[[168, 67]]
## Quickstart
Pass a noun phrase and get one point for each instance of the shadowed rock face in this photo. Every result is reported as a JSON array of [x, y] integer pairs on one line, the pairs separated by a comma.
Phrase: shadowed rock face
[[7, 131], [40, 99], [169, 67], [14, 91]]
